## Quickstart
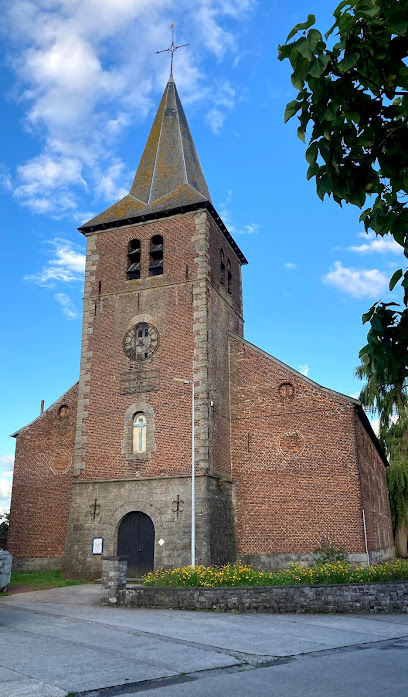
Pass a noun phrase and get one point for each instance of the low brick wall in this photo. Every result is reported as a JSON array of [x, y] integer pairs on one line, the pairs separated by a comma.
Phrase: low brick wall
[[353, 597]]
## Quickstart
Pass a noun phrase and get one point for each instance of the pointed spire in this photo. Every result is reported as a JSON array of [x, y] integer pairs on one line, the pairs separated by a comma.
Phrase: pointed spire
[[169, 175]]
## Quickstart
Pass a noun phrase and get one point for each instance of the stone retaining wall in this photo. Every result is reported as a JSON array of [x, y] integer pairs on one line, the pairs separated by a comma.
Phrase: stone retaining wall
[[344, 597], [354, 597]]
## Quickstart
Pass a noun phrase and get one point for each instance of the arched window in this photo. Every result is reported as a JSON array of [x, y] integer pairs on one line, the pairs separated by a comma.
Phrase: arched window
[[156, 256], [222, 267], [139, 432], [229, 276], [133, 270]]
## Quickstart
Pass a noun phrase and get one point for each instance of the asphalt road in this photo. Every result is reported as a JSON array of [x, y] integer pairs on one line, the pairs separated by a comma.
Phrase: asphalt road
[[59, 641]]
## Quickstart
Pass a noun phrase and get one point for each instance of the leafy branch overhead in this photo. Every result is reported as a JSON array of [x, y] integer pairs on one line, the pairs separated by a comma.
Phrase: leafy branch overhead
[[354, 91], [353, 94]]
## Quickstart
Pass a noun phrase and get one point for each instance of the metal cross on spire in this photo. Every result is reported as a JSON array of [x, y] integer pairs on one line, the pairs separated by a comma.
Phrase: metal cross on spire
[[172, 48]]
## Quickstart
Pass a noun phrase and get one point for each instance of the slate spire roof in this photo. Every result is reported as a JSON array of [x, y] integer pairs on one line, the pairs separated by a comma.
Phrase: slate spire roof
[[169, 175]]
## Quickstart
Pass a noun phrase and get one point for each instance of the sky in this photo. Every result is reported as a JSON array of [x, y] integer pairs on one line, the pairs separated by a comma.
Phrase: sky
[[81, 82]]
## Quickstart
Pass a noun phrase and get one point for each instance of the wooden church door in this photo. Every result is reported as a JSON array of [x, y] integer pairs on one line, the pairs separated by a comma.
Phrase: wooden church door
[[136, 542]]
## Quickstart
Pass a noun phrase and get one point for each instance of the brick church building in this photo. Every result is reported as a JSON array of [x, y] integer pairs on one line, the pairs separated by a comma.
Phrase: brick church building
[[280, 461]]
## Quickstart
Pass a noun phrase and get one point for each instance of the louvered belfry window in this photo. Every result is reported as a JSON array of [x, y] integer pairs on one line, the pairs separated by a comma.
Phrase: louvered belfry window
[[229, 276], [156, 256], [222, 267], [133, 270]]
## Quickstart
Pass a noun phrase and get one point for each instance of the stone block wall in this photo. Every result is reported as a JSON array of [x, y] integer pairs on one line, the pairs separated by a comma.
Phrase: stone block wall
[[114, 570], [374, 598], [215, 540]]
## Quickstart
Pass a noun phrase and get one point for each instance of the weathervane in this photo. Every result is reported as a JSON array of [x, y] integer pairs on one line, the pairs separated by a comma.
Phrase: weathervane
[[172, 48]]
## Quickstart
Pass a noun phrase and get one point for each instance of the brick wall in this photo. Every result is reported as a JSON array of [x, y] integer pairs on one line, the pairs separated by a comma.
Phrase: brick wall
[[42, 482], [192, 315], [294, 460], [374, 492]]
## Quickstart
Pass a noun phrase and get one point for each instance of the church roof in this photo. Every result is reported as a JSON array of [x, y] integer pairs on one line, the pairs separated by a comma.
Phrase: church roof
[[169, 178]]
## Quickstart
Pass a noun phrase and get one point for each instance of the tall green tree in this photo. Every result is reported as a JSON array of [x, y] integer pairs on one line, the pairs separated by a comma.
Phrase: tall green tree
[[352, 106], [385, 395]]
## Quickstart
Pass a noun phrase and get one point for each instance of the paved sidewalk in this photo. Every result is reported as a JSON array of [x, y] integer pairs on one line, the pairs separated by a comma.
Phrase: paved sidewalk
[[61, 640]]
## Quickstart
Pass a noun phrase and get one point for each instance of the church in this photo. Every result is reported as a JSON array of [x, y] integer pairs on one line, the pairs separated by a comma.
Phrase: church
[[167, 382]]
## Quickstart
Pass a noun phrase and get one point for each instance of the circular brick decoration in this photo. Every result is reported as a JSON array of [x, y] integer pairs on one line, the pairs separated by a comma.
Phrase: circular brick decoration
[[63, 411], [62, 462], [291, 442], [286, 390]]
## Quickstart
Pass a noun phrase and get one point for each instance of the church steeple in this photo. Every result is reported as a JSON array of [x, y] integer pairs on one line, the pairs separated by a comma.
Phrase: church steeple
[[169, 175]]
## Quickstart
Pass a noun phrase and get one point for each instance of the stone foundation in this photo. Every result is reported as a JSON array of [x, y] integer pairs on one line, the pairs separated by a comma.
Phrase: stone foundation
[[36, 564], [154, 497], [275, 562]]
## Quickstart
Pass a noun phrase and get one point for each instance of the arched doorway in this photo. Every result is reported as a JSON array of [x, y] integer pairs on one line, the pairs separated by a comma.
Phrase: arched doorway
[[136, 542]]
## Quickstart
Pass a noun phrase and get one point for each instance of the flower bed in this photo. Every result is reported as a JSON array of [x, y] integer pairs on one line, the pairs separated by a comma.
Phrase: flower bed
[[238, 574]]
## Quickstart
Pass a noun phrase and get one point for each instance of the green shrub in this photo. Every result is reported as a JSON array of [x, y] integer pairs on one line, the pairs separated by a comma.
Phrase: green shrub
[[329, 552]]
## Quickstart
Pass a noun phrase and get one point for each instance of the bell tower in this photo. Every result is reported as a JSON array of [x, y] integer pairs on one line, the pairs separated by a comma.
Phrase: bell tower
[[162, 290]]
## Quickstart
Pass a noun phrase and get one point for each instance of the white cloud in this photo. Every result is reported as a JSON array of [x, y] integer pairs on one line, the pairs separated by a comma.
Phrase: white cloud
[[111, 180], [83, 79], [67, 265], [7, 463], [358, 283], [375, 244], [5, 178], [6, 475], [290, 266], [225, 214], [44, 184], [223, 96], [5, 489], [303, 368], [67, 305]]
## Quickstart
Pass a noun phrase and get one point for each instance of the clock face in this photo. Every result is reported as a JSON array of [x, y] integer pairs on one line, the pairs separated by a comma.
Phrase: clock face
[[141, 341]]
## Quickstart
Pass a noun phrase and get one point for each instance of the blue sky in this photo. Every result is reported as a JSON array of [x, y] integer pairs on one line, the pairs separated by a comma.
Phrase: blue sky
[[80, 86]]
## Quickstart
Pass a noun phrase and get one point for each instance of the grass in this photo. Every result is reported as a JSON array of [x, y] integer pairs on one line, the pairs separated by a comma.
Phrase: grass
[[39, 580], [239, 574]]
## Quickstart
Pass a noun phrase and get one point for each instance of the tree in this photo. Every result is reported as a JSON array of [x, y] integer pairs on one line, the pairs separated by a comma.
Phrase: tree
[[4, 524], [384, 394], [354, 93]]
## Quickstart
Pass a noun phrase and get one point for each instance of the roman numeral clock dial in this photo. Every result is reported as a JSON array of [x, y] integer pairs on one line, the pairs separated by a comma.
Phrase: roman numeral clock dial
[[140, 342]]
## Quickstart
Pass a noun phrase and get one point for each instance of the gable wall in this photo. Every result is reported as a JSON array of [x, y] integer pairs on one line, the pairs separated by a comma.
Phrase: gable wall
[[42, 484], [374, 492], [287, 501]]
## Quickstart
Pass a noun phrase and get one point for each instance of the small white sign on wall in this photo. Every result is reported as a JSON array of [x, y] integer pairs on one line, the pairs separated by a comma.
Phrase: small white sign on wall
[[97, 545], [161, 542]]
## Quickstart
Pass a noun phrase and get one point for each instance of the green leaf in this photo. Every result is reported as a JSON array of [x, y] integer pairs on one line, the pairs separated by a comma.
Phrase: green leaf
[[301, 134], [291, 110], [319, 66], [367, 315], [311, 153], [313, 38], [395, 278], [303, 25], [312, 171], [348, 62], [297, 80], [376, 324], [302, 47]]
